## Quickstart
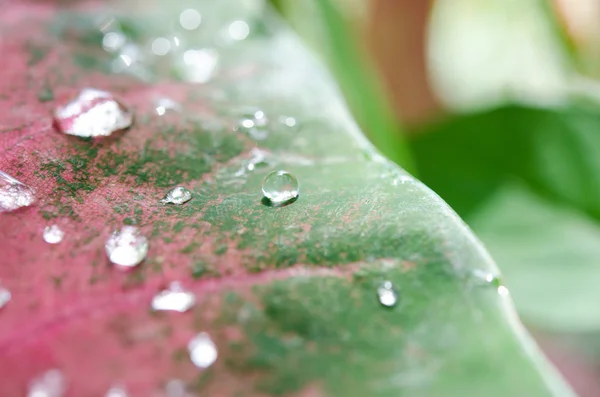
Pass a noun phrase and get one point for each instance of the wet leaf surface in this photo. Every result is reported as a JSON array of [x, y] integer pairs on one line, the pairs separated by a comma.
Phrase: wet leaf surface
[[288, 295]]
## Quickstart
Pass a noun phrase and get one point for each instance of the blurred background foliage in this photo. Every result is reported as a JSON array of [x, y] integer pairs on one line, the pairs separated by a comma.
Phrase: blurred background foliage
[[494, 104]]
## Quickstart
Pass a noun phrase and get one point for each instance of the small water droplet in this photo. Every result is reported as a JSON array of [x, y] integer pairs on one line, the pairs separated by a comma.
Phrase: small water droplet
[[161, 46], [190, 19], [5, 296], [116, 391], [14, 194], [387, 295], [174, 298], [238, 30], [163, 105], [254, 122], [93, 113], [113, 41], [503, 291], [487, 278], [203, 351], [280, 187], [51, 383], [178, 196], [53, 234], [127, 247]]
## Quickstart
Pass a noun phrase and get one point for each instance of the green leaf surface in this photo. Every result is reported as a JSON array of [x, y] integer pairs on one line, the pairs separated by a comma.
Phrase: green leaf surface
[[528, 181], [288, 294]]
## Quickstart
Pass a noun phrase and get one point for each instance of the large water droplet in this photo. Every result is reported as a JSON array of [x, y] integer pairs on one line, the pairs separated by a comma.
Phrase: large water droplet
[[51, 383], [387, 295], [174, 298], [254, 122], [280, 187], [163, 105], [203, 351], [5, 296], [178, 196], [199, 65], [14, 194], [127, 247], [53, 234], [93, 113]]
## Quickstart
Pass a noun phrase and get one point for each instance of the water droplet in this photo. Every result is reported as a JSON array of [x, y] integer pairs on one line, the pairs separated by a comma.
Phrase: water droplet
[[127, 247], [199, 65], [387, 295], [163, 105], [161, 46], [116, 391], [288, 121], [5, 296], [14, 194], [280, 187], [203, 351], [178, 196], [174, 298], [487, 278], [93, 113], [53, 234], [113, 41], [238, 30], [503, 291], [190, 19], [51, 383], [254, 122]]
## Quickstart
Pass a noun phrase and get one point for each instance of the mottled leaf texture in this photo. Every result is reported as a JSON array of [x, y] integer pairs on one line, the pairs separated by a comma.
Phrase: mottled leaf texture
[[288, 294]]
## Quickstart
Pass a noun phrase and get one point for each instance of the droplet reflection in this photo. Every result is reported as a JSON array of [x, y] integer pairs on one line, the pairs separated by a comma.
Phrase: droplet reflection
[[203, 351], [53, 234], [127, 247], [280, 187], [387, 295], [174, 298], [5, 296]]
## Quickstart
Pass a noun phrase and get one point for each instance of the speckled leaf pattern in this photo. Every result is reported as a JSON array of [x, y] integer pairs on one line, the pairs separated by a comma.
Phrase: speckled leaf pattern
[[287, 294]]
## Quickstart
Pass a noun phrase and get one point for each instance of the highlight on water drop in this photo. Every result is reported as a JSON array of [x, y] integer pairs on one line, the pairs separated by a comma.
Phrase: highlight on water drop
[[126, 247]]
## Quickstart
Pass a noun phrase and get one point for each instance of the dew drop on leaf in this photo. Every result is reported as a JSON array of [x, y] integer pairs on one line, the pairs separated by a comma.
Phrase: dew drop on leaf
[[190, 19], [127, 247], [53, 234], [51, 383], [387, 295], [176, 388], [5, 296], [203, 351], [164, 105], [486, 278], [14, 194], [174, 298], [178, 196], [254, 123], [280, 187], [238, 30], [93, 113]]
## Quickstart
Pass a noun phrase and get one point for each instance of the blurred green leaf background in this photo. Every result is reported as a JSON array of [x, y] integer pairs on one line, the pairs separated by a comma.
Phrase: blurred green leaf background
[[509, 134]]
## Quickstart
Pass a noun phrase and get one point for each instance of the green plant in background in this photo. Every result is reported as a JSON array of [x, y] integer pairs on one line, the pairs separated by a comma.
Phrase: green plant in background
[[524, 173]]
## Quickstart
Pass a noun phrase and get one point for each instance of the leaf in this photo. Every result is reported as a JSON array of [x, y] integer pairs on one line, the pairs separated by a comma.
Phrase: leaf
[[287, 294], [527, 181]]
